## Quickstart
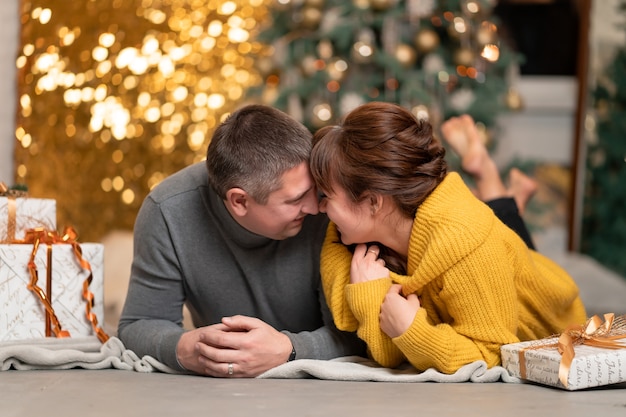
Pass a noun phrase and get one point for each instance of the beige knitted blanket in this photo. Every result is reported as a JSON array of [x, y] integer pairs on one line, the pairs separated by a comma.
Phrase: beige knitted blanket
[[89, 353]]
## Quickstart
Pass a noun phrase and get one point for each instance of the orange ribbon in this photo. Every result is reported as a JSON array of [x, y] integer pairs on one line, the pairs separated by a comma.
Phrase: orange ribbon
[[594, 333], [40, 235], [11, 208]]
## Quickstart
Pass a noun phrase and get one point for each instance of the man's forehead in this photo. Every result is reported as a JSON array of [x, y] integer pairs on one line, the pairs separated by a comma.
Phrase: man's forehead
[[294, 184]]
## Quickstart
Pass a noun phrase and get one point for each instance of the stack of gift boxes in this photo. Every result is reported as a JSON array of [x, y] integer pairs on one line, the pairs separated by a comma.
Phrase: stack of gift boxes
[[50, 284]]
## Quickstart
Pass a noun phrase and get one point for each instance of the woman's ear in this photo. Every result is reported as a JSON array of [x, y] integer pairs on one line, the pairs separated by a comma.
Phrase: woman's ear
[[376, 203], [237, 201]]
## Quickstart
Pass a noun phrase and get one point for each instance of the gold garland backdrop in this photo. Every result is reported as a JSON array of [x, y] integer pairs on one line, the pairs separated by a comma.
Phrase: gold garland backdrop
[[115, 95]]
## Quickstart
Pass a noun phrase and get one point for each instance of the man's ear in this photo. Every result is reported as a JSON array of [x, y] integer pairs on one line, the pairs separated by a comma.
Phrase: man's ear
[[237, 201]]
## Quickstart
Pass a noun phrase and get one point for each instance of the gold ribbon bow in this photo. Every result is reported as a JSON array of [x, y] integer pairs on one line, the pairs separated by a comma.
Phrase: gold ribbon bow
[[594, 333], [42, 236]]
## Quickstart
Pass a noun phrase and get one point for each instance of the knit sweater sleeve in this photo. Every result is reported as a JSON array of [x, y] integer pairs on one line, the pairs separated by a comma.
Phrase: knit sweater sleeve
[[335, 271], [355, 307], [365, 300]]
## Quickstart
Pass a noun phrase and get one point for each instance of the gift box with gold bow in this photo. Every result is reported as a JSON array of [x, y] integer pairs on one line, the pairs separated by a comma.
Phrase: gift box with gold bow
[[18, 213], [583, 356], [51, 286]]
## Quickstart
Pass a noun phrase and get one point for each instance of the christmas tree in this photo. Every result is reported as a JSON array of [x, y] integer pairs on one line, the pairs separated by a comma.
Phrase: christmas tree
[[603, 234], [437, 58]]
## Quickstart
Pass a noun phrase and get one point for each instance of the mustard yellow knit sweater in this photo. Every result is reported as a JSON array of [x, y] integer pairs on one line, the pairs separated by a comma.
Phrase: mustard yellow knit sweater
[[479, 285]]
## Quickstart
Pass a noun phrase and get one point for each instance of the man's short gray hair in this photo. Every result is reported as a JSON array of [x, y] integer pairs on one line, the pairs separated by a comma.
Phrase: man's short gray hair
[[253, 148]]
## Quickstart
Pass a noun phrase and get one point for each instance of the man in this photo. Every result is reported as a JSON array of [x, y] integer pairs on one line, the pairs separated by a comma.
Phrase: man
[[238, 241]]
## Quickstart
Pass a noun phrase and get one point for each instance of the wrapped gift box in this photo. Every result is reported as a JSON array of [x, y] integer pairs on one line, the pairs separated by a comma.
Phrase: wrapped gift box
[[591, 366], [30, 214], [23, 315]]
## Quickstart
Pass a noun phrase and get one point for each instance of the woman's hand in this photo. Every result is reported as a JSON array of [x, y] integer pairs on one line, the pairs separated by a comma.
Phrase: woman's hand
[[397, 313], [366, 265]]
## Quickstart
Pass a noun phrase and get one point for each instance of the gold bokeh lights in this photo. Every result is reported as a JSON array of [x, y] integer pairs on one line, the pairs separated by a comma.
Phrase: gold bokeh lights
[[114, 96]]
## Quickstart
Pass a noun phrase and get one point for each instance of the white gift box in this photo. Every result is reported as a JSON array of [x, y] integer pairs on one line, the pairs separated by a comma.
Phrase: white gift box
[[22, 313], [30, 213], [591, 366]]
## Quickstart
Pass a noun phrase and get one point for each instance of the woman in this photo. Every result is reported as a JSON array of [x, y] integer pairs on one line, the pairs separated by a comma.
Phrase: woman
[[445, 283]]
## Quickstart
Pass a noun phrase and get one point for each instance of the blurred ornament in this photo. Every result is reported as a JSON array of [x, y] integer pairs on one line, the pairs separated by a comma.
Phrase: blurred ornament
[[490, 52], [472, 7], [421, 112], [265, 65], [457, 28], [590, 123], [321, 114], [486, 33], [419, 9], [333, 86], [325, 49], [406, 55], [330, 19], [381, 5], [363, 48], [597, 158], [426, 40], [282, 5], [464, 56], [433, 63], [337, 69], [591, 129], [362, 52], [349, 102], [602, 108], [513, 99], [318, 4], [462, 99], [361, 4], [308, 65], [311, 17]]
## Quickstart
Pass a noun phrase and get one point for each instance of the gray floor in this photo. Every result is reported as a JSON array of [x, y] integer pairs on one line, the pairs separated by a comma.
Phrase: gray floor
[[602, 290], [83, 393]]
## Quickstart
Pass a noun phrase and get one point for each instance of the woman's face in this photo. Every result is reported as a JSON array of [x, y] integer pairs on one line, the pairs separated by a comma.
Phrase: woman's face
[[355, 222]]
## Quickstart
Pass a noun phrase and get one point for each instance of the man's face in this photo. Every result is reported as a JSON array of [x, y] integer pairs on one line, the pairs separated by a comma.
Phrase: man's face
[[282, 216]]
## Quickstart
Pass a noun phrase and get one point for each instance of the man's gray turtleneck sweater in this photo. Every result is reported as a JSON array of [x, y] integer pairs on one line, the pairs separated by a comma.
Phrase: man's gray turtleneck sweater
[[189, 250]]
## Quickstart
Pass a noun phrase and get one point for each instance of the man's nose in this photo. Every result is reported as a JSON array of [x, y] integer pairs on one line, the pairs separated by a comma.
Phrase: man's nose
[[311, 205]]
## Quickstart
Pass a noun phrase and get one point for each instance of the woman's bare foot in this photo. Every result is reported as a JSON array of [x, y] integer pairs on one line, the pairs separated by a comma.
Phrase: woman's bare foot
[[521, 188], [464, 139]]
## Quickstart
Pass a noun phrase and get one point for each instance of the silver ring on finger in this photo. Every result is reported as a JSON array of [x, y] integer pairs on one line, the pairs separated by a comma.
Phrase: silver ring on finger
[[230, 369]]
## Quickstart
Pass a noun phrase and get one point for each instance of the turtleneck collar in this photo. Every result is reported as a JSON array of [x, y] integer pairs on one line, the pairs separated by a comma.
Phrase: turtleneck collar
[[229, 226]]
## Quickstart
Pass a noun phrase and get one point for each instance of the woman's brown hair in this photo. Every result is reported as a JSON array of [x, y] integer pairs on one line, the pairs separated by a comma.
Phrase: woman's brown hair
[[380, 148]]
